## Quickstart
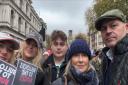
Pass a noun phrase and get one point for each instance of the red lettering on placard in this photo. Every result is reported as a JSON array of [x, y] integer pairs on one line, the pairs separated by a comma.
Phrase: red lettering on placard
[[3, 81], [26, 79]]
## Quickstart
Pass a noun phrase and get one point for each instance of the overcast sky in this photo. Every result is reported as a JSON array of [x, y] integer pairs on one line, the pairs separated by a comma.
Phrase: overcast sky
[[63, 14]]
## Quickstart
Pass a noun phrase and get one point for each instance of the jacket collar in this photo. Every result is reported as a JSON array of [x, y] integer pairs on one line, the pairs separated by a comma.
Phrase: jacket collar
[[50, 61], [122, 46]]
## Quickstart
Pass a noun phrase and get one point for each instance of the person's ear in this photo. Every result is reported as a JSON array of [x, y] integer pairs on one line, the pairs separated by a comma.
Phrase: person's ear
[[126, 26]]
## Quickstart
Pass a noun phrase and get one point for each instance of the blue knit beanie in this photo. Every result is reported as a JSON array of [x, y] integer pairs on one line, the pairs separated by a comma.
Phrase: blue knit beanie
[[78, 46]]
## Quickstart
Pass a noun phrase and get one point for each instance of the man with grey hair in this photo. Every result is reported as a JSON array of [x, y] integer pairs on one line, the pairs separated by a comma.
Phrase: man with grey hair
[[113, 27]]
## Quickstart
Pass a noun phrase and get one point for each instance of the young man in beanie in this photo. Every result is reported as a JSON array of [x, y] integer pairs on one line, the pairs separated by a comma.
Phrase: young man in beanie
[[56, 61], [7, 47], [113, 27], [78, 70]]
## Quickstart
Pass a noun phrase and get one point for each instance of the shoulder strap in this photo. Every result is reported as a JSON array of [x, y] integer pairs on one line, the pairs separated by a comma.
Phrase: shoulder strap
[[65, 83], [64, 79]]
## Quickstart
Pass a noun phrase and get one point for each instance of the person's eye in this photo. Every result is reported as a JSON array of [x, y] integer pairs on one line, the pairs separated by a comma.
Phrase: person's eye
[[10, 49], [103, 28], [62, 44], [35, 45], [28, 42], [76, 55], [113, 25], [55, 43], [83, 54], [1, 46]]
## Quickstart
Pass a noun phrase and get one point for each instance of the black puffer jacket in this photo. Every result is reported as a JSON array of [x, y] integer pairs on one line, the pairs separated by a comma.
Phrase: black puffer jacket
[[73, 78], [115, 72], [55, 72]]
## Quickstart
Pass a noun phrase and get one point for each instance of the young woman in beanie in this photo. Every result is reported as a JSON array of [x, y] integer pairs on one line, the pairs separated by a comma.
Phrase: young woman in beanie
[[30, 51], [78, 70]]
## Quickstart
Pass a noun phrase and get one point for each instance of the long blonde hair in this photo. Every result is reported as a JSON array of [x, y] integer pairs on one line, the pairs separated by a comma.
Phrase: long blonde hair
[[67, 73], [13, 58], [36, 60]]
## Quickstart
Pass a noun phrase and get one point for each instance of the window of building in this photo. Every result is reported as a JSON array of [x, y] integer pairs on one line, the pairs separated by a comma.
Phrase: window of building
[[25, 30], [19, 24], [21, 4], [30, 16], [29, 30], [12, 18], [26, 8]]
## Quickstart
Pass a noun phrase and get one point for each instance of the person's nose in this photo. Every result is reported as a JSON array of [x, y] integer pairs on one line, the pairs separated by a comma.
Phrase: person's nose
[[31, 46], [59, 46], [80, 58], [108, 29]]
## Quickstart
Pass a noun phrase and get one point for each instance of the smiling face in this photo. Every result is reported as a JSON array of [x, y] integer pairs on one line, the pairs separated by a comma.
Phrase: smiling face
[[113, 31], [80, 61], [6, 51], [30, 50]]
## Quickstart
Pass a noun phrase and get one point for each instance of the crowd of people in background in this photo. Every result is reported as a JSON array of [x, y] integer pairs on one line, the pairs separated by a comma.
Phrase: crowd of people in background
[[74, 64]]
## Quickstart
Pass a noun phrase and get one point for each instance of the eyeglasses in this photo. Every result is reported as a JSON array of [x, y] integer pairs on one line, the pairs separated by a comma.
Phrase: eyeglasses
[[9, 47]]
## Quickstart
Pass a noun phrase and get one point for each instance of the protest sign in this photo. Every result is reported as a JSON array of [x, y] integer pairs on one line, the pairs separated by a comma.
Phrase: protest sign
[[7, 73], [25, 73]]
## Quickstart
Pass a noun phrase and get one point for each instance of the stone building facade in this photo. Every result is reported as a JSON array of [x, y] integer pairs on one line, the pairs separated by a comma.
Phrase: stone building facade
[[19, 18]]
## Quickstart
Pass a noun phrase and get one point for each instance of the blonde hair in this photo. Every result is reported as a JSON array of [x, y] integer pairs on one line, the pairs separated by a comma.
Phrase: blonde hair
[[36, 60], [13, 58], [67, 72], [67, 68]]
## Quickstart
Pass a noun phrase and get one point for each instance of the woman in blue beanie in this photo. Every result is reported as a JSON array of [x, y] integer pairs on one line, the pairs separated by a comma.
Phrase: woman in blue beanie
[[78, 70]]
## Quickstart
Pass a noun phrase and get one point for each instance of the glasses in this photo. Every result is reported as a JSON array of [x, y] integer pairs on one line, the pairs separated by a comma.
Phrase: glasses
[[8, 47]]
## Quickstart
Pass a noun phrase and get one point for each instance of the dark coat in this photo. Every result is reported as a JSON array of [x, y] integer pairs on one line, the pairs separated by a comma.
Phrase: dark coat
[[89, 78], [42, 78], [115, 72], [55, 71]]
